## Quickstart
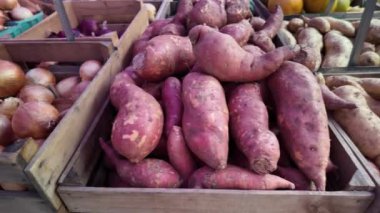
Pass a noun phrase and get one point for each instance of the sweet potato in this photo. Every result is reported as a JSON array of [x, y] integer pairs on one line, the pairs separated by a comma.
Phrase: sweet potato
[[139, 123], [373, 35], [113, 180], [257, 23], [237, 10], [295, 24], [153, 88], [337, 50], [311, 38], [149, 173], [179, 154], [208, 12], [368, 47], [319, 23], [286, 37], [184, 7], [343, 26], [164, 56], [172, 103], [120, 79], [173, 29], [240, 31], [334, 102], [263, 38], [250, 128], [233, 177], [238, 65], [254, 50], [369, 58], [361, 124], [205, 119], [295, 176], [302, 119]]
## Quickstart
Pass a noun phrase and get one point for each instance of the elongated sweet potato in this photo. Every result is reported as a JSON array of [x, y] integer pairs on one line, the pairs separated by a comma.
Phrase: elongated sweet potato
[[310, 37], [373, 35], [319, 23], [172, 103], [240, 31], [361, 124], [238, 65], [164, 56], [139, 123], [149, 173], [205, 119], [184, 7], [337, 50], [233, 177], [369, 58], [295, 24], [250, 128], [302, 119], [179, 154], [286, 37], [257, 23], [295, 176], [237, 10], [208, 12], [334, 102], [343, 26], [173, 29]]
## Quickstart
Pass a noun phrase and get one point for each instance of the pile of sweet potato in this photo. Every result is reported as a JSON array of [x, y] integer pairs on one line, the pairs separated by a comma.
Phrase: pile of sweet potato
[[330, 41], [209, 102]]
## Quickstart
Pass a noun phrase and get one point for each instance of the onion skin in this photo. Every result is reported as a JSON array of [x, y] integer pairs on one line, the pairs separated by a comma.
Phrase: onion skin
[[34, 119], [12, 79], [8, 4], [63, 104], [65, 86], [6, 133], [79, 89], [21, 13], [40, 76], [35, 92], [9, 106], [89, 69]]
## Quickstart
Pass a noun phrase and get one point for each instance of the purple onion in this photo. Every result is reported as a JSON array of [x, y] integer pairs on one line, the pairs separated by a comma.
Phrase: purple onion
[[88, 27]]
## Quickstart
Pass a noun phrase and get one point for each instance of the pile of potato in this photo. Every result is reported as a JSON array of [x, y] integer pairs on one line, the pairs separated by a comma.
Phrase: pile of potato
[[330, 41]]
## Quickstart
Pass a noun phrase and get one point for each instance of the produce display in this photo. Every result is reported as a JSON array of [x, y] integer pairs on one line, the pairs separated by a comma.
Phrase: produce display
[[33, 103], [330, 41], [197, 110]]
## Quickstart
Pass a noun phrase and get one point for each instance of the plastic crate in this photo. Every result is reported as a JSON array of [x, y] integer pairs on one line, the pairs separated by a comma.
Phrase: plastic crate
[[15, 28]]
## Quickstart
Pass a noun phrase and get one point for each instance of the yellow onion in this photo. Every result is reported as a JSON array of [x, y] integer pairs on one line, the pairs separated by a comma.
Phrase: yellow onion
[[89, 69], [40, 76], [6, 133], [34, 119], [36, 92], [65, 86], [12, 79], [9, 106], [8, 4]]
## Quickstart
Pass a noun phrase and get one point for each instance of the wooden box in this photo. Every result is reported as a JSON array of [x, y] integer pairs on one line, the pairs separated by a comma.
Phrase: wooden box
[[81, 186], [42, 169]]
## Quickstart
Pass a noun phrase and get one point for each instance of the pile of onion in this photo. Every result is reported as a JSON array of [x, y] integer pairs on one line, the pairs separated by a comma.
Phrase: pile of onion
[[65, 86], [12, 79], [40, 76], [9, 106], [34, 119], [6, 133], [78, 90], [89, 69], [35, 92]]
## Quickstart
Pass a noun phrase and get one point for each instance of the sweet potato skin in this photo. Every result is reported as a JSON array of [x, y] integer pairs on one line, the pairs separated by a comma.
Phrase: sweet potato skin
[[343, 26], [237, 10], [183, 9], [257, 23], [295, 24], [139, 123], [337, 50], [209, 12], [205, 119], [250, 128], [164, 55], [238, 65], [302, 119], [312, 39], [172, 103], [233, 177], [295, 176], [334, 102], [319, 23], [240, 31], [179, 154]]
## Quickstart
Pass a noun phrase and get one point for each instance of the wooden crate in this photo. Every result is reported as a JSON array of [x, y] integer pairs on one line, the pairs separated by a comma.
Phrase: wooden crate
[[42, 171], [81, 186], [118, 13]]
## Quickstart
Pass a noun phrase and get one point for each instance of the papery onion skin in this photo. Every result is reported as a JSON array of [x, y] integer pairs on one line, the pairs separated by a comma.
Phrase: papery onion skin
[[12, 79], [9, 106], [35, 92], [8, 4], [65, 86], [34, 119], [89, 69], [40, 76], [21, 13], [79, 89], [6, 133]]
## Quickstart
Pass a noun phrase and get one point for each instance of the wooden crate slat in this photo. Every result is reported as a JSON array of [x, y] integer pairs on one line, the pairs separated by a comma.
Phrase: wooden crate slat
[[27, 201]]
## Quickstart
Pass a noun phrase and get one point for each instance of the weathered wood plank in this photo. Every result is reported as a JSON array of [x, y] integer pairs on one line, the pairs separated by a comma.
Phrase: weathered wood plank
[[27, 201]]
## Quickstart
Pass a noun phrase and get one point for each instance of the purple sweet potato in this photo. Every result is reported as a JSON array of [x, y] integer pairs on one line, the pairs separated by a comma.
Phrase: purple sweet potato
[[172, 103], [113, 180], [240, 31], [153, 88], [115, 92], [257, 23], [334, 102], [184, 7], [233, 177], [237, 10], [208, 12], [205, 119], [165, 55], [139, 123], [250, 128], [295, 176], [179, 154], [149, 173], [173, 29], [302, 118], [311, 38], [221, 56]]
